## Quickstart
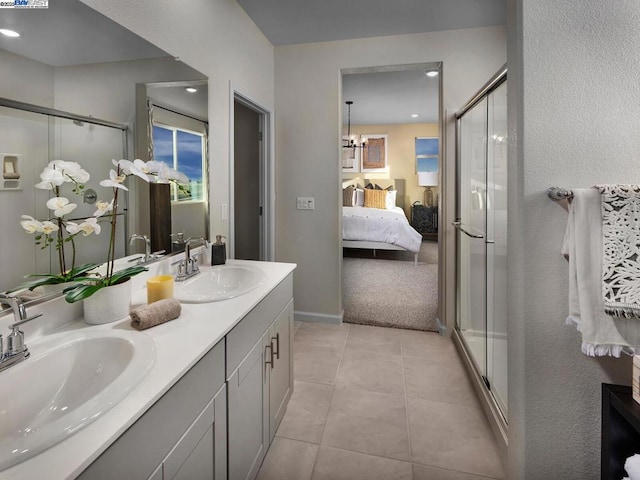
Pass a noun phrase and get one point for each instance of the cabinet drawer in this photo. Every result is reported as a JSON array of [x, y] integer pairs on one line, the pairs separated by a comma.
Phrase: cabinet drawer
[[244, 335]]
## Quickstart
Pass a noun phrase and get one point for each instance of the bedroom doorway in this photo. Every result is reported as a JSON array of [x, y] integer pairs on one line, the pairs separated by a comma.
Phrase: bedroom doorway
[[390, 163]]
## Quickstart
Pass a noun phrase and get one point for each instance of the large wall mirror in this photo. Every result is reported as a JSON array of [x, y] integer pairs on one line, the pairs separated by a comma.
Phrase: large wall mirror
[[87, 83]]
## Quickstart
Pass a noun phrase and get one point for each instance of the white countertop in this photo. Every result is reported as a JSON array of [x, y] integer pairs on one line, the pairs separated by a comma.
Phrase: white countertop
[[179, 345]]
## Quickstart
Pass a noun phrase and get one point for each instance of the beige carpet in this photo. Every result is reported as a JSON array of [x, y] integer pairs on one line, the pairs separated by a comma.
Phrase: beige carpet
[[389, 290]]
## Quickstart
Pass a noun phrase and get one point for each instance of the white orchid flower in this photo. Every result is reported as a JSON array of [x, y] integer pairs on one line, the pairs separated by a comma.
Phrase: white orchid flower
[[177, 176], [89, 226], [60, 206], [50, 178], [48, 227], [30, 224], [75, 173], [137, 168], [114, 181], [102, 208]]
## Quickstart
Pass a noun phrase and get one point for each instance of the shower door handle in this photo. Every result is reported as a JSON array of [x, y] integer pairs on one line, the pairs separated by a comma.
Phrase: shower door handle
[[458, 225]]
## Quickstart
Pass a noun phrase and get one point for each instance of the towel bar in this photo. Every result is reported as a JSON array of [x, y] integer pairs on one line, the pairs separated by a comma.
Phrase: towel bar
[[558, 194]]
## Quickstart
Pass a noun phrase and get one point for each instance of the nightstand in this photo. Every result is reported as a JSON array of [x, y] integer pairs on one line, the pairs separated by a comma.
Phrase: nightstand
[[425, 220]]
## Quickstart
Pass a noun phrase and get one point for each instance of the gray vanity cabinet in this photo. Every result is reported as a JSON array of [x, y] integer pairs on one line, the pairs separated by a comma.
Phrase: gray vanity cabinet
[[259, 383], [248, 415], [184, 431], [281, 371], [201, 451]]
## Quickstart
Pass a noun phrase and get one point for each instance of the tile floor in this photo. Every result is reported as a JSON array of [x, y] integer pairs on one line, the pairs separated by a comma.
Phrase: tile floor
[[375, 403]]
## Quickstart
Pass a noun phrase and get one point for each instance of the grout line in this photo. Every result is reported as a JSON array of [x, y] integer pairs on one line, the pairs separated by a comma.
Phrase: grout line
[[333, 390]]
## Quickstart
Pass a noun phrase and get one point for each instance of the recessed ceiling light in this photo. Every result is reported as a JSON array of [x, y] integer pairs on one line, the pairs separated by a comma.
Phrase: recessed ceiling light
[[9, 33], [432, 73], [191, 89], [415, 115]]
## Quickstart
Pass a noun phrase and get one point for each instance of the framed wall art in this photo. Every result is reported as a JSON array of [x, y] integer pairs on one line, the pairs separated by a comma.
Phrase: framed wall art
[[374, 154]]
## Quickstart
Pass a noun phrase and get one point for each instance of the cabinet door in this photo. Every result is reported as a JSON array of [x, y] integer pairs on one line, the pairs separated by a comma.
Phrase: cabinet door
[[192, 456], [281, 373], [248, 427]]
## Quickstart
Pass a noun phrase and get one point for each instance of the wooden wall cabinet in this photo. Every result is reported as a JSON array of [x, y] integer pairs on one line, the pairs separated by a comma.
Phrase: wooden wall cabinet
[[620, 430]]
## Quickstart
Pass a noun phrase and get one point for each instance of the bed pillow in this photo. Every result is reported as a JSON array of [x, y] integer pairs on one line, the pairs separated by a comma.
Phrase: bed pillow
[[358, 198], [375, 198], [348, 196], [390, 199]]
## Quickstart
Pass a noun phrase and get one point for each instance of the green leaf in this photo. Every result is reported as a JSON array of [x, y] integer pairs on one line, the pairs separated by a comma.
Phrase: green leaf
[[80, 292]]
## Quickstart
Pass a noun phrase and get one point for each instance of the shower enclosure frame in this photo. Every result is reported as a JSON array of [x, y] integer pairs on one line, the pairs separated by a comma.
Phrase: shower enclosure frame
[[494, 413]]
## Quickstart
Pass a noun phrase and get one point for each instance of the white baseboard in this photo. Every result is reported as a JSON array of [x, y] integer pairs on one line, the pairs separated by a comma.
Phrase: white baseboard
[[317, 317]]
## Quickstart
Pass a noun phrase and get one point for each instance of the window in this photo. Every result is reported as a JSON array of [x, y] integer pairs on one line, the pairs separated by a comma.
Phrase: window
[[427, 151], [183, 151]]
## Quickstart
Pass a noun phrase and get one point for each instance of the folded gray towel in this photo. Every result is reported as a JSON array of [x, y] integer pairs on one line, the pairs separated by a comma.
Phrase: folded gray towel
[[154, 314]]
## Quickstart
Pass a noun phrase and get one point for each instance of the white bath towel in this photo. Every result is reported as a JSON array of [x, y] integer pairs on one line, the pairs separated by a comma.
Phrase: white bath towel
[[632, 467], [601, 334]]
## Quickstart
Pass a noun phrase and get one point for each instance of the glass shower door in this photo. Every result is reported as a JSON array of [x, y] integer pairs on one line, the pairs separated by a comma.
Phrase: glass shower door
[[481, 224], [471, 232], [497, 245]]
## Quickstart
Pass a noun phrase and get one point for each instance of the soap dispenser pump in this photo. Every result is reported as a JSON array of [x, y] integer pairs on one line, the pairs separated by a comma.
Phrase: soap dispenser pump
[[218, 251]]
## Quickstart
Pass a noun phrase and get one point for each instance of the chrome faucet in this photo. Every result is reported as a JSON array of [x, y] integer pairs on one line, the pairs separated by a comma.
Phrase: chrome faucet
[[16, 349], [147, 245], [188, 267]]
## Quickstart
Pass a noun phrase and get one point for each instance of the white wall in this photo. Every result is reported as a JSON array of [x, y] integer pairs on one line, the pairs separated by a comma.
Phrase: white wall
[[573, 96], [217, 38], [308, 139]]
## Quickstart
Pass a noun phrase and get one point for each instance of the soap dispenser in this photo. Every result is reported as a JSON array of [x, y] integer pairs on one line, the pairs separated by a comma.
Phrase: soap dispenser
[[218, 251]]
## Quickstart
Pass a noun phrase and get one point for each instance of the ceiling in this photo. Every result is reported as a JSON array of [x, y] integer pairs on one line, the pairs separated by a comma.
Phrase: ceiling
[[84, 36], [287, 22], [391, 96], [81, 35]]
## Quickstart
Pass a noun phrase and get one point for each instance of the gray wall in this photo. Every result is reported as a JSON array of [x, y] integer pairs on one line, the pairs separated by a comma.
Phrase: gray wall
[[574, 111], [308, 130]]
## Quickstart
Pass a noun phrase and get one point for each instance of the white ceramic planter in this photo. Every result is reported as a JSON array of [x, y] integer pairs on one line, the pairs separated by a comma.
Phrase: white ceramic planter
[[108, 304]]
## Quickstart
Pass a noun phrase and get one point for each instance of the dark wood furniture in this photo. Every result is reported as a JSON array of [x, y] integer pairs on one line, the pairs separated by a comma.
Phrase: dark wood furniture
[[620, 430], [425, 220]]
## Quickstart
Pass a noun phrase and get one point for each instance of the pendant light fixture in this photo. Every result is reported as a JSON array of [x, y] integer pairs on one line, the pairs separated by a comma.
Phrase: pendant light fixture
[[349, 142]]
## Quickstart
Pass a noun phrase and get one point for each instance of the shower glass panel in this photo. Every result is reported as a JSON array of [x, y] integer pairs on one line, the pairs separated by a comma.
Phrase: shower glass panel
[[92, 146], [472, 273], [481, 248], [497, 245], [36, 135]]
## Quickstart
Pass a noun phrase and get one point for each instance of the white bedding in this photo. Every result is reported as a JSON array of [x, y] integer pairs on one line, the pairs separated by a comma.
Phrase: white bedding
[[377, 225]]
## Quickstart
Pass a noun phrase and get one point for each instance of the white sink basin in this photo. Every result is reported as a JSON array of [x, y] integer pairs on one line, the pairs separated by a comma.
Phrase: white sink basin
[[69, 381], [217, 283]]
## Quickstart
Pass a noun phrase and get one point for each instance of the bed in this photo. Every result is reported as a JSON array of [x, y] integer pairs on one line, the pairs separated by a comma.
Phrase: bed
[[383, 228]]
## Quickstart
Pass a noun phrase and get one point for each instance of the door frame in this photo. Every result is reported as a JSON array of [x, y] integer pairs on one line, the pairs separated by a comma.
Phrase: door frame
[[267, 176], [442, 180]]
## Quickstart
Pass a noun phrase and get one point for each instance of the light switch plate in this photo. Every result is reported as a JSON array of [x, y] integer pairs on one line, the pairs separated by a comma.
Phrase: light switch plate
[[305, 203]]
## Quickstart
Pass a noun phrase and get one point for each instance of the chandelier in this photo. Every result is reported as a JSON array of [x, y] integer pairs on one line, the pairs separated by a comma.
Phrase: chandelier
[[350, 142]]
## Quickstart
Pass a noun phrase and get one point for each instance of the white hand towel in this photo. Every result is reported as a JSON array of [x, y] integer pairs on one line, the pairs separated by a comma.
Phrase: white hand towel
[[601, 334], [632, 467]]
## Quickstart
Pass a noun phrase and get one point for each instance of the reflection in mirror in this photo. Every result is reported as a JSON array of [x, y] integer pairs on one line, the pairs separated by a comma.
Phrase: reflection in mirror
[[93, 80], [177, 135]]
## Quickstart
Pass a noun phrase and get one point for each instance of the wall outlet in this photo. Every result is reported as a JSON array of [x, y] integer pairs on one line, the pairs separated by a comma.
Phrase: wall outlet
[[305, 203], [224, 212]]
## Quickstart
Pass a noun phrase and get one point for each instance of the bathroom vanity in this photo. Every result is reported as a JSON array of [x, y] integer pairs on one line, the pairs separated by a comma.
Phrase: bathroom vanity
[[211, 403]]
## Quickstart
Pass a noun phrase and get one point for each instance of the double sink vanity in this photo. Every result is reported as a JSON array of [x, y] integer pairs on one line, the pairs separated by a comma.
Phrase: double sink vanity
[[197, 397]]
